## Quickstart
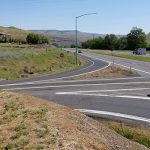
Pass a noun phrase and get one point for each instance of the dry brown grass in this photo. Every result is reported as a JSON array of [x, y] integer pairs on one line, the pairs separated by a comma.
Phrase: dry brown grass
[[30, 123], [138, 133], [15, 32]]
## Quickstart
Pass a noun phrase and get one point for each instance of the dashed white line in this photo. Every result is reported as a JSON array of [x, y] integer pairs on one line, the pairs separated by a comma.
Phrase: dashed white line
[[94, 93], [115, 90], [76, 85]]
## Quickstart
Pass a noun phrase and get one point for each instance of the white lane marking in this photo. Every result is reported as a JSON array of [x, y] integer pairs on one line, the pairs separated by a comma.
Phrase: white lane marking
[[89, 93], [70, 81], [131, 117], [41, 81], [106, 95], [135, 89], [78, 85], [85, 73]]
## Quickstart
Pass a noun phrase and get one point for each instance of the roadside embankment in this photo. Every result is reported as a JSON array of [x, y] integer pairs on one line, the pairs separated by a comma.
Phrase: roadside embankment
[[27, 122]]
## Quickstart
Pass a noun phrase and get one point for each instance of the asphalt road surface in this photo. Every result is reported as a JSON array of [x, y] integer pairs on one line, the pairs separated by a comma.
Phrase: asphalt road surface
[[143, 68], [118, 98]]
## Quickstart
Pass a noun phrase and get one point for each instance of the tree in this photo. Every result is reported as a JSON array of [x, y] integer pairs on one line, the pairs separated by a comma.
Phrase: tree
[[136, 39], [123, 43], [33, 38], [111, 42]]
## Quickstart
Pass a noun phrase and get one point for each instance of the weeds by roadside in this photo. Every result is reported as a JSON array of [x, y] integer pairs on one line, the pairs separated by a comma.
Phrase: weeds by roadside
[[135, 133], [34, 63]]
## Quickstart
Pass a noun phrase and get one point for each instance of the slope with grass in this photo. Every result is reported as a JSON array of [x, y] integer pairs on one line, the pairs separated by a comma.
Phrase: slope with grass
[[27, 123], [139, 133], [34, 62], [16, 33]]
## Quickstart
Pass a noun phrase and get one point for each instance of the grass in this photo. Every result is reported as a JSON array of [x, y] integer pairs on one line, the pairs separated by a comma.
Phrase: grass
[[13, 47], [132, 132], [139, 135], [34, 62], [15, 32], [135, 57], [20, 132], [58, 127]]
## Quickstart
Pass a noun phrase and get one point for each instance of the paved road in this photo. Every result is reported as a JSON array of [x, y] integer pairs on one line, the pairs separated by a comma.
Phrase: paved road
[[123, 98], [143, 68]]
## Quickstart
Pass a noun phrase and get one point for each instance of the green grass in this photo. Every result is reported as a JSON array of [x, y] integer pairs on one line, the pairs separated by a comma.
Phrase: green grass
[[36, 62], [135, 57], [139, 135]]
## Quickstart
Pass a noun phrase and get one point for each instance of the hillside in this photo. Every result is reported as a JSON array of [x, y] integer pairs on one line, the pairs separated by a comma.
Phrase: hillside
[[62, 38], [15, 32], [67, 37], [27, 122]]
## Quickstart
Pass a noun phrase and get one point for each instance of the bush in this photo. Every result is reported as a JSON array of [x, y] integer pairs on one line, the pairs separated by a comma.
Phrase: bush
[[33, 38]]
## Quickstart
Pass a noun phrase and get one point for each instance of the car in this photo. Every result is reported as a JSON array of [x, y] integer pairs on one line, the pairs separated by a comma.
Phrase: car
[[140, 51], [79, 51]]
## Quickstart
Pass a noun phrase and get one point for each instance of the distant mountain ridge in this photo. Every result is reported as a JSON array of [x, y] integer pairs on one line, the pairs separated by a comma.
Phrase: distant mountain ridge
[[67, 37], [60, 37]]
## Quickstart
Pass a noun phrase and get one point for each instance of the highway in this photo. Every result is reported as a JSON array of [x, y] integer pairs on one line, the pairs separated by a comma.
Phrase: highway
[[143, 68], [124, 98]]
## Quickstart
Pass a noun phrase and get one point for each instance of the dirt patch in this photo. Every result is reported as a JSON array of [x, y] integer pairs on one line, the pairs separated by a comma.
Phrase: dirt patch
[[110, 72], [27, 122]]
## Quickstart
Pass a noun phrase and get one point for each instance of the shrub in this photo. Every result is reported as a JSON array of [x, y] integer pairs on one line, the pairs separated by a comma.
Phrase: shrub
[[33, 38]]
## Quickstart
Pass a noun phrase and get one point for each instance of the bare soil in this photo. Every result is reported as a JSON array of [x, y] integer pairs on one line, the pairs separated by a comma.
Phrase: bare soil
[[31, 123]]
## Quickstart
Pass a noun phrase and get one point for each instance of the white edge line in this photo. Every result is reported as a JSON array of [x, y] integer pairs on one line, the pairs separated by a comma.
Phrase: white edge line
[[109, 63], [135, 89], [114, 114], [105, 95], [78, 85], [72, 81]]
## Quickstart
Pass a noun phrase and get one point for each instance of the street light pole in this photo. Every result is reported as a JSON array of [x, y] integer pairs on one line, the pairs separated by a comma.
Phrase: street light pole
[[76, 24], [76, 40]]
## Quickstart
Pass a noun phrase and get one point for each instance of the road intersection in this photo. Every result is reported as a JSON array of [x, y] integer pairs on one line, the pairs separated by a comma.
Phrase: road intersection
[[119, 98]]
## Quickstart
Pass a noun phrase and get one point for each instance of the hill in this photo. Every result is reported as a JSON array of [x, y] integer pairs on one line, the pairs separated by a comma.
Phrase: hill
[[16, 33], [67, 37], [27, 122]]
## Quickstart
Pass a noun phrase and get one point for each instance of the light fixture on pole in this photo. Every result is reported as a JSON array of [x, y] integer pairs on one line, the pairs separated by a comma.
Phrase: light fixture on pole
[[76, 22]]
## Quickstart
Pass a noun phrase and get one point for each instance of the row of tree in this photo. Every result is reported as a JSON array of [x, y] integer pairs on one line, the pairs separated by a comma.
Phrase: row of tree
[[135, 39], [31, 38]]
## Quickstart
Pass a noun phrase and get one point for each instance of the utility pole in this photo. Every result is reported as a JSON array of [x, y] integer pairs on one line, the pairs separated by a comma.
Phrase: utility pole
[[76, 28]]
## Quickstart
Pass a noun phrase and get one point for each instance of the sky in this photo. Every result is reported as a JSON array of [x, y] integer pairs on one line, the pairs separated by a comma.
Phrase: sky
[[113, 16]]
